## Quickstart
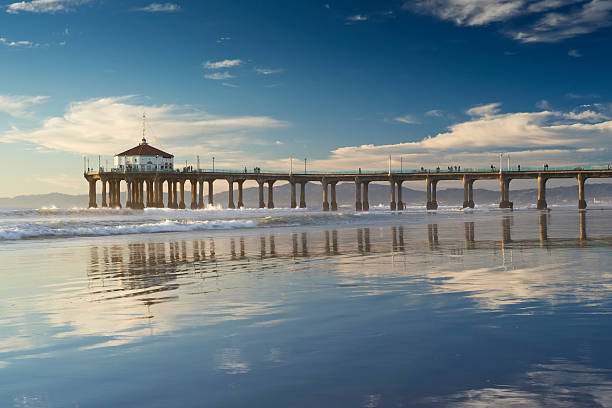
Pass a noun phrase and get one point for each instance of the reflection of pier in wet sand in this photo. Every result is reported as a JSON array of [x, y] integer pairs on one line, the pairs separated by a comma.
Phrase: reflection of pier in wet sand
[[155, 266]]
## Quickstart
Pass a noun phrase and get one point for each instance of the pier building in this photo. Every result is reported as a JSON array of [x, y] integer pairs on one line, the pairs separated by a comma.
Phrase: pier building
[[144, 157], [145, 183]]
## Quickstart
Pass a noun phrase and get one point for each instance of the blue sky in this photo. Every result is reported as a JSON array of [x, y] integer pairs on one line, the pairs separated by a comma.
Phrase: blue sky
[[344, 83]]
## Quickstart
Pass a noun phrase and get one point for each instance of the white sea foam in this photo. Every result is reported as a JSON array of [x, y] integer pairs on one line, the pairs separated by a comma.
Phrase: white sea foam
[[73, 229]]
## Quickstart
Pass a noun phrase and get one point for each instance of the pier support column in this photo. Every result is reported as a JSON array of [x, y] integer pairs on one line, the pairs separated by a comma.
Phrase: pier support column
[[293, 195], [169, 195], [392, 203], [581, 197], [182, 186], [471, 194], [334, 203], [270, 193], [366, 200], [174, 194], [542, 192], [210, 192], [432, 202], [400, 203], [230, 194], [92, 193], [262, 204], [466, 192], [504, 193], [104, 205], [111, 193], [325, 201], [303, 194], [358, 205], [160, 194], [118, 192], [201, 194], [240, 202], [194, 194], [128, 199]]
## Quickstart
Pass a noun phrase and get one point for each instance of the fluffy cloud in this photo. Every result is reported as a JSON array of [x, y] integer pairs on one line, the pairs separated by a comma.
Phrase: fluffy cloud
[[484, 110], [19, 105], [268, 71], [104, 125], [228, 63], [160, 8], [357, 17], [218, 76], [44, 6], [22, 43], [408, 119], [562, 138], [541, 20]]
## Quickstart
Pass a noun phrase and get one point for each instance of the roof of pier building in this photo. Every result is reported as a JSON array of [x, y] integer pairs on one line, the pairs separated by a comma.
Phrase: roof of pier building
[[144, 149]]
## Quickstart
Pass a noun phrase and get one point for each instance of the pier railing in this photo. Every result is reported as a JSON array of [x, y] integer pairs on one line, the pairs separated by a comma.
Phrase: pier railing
[[355, 172]]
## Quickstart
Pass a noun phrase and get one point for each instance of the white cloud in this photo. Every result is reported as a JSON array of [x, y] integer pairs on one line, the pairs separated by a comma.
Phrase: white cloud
[[557, 26], [160, 8], [484, 110], [218, 76], [408, 119], [223, 39], [574, 53], [228, 63], [28, 44], [356, 18], [531, 137], [44, 6], [268, 71], [106, 125], [541, 20], [19, 105], [543, 104], [435, 113]]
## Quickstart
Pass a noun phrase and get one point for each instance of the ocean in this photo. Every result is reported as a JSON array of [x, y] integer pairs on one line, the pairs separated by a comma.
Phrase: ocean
[[303, 308]]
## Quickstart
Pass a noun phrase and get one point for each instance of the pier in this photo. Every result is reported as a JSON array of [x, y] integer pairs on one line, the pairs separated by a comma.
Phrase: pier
[[147, 188]]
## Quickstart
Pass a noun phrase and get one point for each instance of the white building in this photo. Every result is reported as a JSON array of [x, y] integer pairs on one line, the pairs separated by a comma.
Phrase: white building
[[144, 158]]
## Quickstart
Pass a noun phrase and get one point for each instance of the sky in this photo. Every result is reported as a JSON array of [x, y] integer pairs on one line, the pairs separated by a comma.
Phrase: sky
[[344, 84]]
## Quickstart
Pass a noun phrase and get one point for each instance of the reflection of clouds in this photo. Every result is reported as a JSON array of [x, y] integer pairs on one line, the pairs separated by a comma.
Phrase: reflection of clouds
[[275, 355], [560, 383], [493, 288], [229, 362], [371, 401]]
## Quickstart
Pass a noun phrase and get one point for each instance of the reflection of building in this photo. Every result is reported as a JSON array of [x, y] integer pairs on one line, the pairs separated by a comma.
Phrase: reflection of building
[[144, 157]]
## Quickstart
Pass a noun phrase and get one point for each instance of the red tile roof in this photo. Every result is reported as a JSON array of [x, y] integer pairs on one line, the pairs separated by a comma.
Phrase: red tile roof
[[145, 150]]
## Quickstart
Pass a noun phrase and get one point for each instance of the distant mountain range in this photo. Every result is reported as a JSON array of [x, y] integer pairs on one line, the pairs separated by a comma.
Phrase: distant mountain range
[[379, 194]]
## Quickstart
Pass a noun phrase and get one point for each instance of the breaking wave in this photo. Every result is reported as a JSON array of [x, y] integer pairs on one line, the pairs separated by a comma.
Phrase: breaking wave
[[70, 229]]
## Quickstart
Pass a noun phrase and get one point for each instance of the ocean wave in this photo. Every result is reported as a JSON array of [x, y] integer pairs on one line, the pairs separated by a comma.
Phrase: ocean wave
[[43, 230]]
